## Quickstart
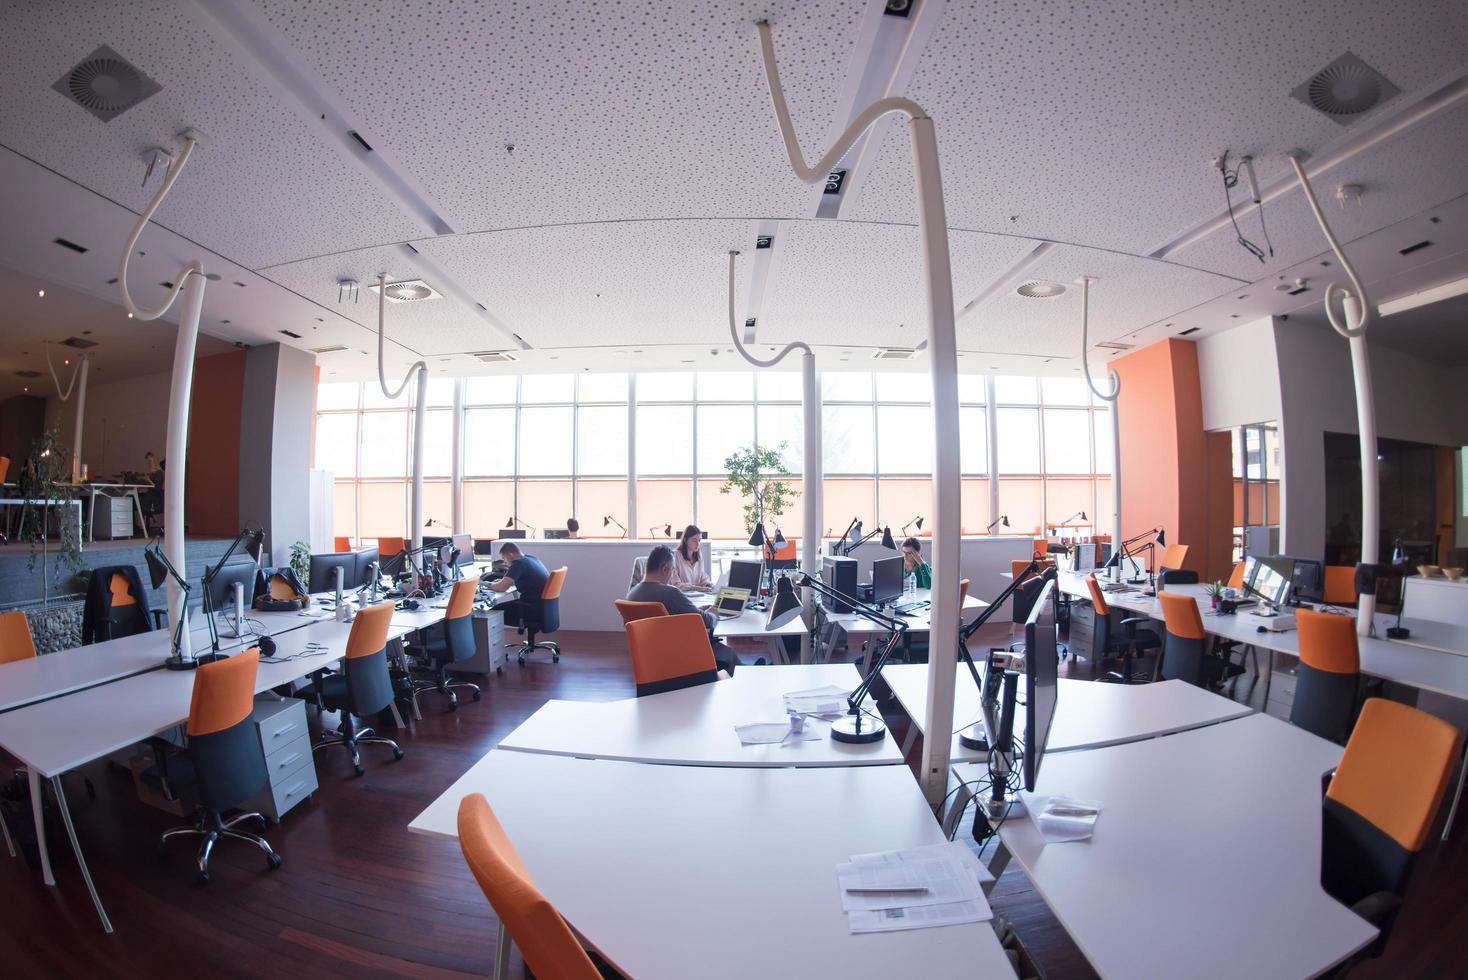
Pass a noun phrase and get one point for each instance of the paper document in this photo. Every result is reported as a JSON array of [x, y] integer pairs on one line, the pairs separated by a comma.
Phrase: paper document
[[1061, 819], [954, 850], [919, 917], [933, 885], [771, 733], [822, 702]]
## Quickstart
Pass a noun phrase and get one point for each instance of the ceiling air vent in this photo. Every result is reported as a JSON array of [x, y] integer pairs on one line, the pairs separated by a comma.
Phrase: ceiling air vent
[[293, 336], [408, 291], [1345, 88], [28, 374], [493, 356], [1039, 289], [1413, 248], [895, 354], [333, 349], [1115, 345], [1190, 330], [79, 343], [64, 243], [105, 84]]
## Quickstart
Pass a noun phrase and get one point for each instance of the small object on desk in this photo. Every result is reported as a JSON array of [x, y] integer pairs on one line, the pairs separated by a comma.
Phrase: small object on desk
[[922, 887], [886, 891], [1061, 819], [771, 733], [822, 702]]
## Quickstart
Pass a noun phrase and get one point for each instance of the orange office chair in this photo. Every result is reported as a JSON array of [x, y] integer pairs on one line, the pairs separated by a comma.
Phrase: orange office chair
[[546, 620], [1379, 806], [341, 543], [1131, 644], [15, 637], [1173, 557], [1236, 579], [387, 547], [1185, 645], [1329, 678], [962, 595], [1340, 585], [547, 943], [455, 646], [670, 653], [631, 610]]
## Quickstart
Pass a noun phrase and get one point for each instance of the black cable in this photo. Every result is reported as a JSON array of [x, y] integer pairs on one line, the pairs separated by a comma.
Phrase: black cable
[[1230, 180]]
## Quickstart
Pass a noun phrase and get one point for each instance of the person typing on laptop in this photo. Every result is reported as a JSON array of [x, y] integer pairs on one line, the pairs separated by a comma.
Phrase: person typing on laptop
[[656, 586]]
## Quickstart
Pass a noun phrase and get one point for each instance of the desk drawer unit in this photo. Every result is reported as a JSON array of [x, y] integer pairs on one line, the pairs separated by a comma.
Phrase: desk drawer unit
[[1082, 629], [286, 742], [113, 517], [489, 641]]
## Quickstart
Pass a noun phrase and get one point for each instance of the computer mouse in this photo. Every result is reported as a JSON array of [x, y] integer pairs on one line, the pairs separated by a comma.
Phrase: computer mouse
[[1260, 629]]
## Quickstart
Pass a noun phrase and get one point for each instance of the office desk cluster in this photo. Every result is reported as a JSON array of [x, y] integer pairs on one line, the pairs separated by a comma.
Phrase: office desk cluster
[[658, 836], [63, 710]]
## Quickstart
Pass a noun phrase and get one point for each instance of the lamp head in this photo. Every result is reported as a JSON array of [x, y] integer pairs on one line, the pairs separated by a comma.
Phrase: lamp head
[[157, 571], [779, 538], [757, 537], [509, 521], [667, 530], [887, 541], [919, 523], [1161, 537], [606, 521], [254, 543], [786, 605], [1004, 519]]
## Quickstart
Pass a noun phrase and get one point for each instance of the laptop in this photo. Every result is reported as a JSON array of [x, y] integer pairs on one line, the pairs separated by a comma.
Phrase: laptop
[[730, 602]]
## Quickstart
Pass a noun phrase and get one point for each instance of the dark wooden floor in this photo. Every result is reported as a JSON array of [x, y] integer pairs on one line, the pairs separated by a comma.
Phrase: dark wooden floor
[[358, 896]]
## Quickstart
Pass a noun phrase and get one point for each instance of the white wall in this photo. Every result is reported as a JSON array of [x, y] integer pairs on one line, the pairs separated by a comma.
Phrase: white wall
[[1238, 371], [124, 420]]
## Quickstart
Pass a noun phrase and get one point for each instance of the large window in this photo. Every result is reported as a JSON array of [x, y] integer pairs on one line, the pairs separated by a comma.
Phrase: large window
[[542, 448]]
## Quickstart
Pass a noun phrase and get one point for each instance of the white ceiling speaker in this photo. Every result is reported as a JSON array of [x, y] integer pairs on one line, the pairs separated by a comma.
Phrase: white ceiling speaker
[[1039, 289], [105, 84], [1344, 89], [408, 291]]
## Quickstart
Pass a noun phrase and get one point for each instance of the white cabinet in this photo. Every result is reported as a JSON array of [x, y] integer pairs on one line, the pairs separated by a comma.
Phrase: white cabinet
[[286, 742]]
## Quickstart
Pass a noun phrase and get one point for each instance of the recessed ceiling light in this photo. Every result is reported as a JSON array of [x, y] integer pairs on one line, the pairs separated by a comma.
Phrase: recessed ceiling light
[[1039, 289], [129, 316], [41, 293]]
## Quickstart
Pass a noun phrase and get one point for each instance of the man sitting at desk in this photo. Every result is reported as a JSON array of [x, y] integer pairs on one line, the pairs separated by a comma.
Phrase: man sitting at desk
[[913, 564], [528, 575], [655, 587]]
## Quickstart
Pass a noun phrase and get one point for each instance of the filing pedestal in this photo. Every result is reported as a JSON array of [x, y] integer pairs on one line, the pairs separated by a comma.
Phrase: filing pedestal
[[489, 644], [286, 741]]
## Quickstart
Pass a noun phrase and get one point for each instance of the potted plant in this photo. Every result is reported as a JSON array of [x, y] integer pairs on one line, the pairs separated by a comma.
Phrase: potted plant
[[750, 471], [301, 560], [1215, 593]]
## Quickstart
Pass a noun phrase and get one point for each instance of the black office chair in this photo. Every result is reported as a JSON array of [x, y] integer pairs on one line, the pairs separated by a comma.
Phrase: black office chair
[[362, 689], [224, 764], [546, 620], [1176, 576], [116, 605], [1328, 680], [1130, 643], [457, 644]]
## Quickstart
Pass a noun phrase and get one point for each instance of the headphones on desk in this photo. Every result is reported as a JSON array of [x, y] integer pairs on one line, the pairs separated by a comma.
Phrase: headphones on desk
[[409, 604], [267, 647]]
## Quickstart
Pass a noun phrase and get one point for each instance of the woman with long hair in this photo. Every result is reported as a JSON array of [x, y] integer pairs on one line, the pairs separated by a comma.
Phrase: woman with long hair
[[688, 571]]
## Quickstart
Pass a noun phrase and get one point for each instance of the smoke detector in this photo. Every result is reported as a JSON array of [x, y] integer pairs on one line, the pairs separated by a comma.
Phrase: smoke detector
[[1344, 89], [1039, 289], [493, 356], [105, 84], [408, 291]]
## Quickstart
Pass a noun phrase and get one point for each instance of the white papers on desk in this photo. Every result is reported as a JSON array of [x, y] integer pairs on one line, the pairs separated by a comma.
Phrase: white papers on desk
[[771, 733], [1060, 819], [950, 873], [821, 702]]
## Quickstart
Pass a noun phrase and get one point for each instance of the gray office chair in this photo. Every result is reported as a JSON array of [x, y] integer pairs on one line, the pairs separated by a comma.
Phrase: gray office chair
[[364, 687], [456, 646]]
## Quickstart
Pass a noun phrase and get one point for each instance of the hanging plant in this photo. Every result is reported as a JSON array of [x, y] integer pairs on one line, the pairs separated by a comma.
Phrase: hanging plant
[[44, 479]]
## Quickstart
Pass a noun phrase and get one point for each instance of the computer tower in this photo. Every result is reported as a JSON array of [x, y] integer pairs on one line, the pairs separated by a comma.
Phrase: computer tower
[[840, 574]]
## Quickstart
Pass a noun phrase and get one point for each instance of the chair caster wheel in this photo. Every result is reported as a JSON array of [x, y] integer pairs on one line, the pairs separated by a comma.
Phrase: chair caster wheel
[[453, 706], [203, 877], [521, 661], [273, 860], [555, 658], [478, 695], [397, 755], [360, 771], [499, 670]]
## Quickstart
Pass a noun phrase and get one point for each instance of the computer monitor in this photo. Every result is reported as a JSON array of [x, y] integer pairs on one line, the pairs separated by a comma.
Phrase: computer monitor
[[368, 563], [484, 547], [744, 575], [221, 587], [886, 579], [466, 544], [1307, 580], [322, 577], [511, 532], [1269, 579], [556, 533], [1042, 668]]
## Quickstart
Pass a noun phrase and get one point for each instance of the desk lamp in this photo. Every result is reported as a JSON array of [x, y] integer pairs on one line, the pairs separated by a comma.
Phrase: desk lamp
[[857, 726], [609, 520], [916, 520], [253, 539], [160, 569], [516, 522], [1001, 519]]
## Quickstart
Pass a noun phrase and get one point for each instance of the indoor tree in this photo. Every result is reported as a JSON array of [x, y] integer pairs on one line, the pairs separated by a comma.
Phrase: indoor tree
[[751, 471], [45, 478]]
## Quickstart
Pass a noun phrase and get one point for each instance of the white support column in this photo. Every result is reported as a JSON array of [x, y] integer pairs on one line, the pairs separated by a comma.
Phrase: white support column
[[1370, 481], [420, 427], [1115, 459], [632, 524], [177, 447], [81, 410], [991, 416], [813, 483], [457, 489]]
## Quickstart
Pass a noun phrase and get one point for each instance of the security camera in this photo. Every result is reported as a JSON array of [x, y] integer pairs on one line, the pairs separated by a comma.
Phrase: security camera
[[1284, 316]]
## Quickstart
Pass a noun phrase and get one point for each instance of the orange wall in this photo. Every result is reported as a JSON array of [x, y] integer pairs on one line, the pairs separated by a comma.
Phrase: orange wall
[[1168, 463], [214, 444]]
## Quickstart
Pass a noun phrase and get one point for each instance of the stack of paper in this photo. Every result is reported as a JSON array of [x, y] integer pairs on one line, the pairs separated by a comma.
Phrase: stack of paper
[[919, 888], [771, 733], [820, 702], [1060, 819]]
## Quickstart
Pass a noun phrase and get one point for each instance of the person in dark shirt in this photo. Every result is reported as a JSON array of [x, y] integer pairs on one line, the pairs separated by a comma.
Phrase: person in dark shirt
[[528, 575], [656, 587]]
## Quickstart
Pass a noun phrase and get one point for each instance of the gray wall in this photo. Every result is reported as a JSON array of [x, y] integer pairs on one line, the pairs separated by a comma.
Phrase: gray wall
[[275, 444]]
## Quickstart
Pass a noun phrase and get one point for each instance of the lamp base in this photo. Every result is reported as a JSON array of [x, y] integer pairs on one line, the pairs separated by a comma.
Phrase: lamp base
[[1397, 633], [178, 663], [974, 737], [858, 729]]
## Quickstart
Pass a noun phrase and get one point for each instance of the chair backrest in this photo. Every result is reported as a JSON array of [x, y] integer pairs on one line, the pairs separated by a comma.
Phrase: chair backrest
[[631, 609], [121, 596], [550, 601], [341, 543], [1236, 578], [670, 653], [1173, 556], [461, 598], [1017, 569], [4, 468], [1185, 646], [785, 553], [962, 593], [639, 572], [15, 637], [1383, 798], [1101, 622], [1328, 679], [229, 764], [369, 686], [1176, 576], [1098, 598], [125, 616], [1340, 585], [458, 623], [388, 547], [547, 943]]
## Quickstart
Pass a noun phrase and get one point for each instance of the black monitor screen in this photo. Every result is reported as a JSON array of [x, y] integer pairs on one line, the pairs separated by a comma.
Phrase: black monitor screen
[[886, 578], [744, 575], [361, 573], [1042, 665], [1307, 580], [484, 547], [221, 588], [323, 571], [512, 532], [1269, 579]]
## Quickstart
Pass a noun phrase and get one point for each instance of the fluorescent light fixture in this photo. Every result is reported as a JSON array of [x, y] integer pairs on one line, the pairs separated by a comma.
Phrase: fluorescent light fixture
[[1423, 297]]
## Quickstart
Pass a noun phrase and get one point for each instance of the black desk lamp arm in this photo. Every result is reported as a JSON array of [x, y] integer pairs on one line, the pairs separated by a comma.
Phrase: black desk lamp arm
[[895, 627]]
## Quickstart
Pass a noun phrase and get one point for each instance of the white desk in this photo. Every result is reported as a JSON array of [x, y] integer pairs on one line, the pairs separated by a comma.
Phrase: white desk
[[1205, 837], [920, 621], [750, 625], [664, 871], [695, 726], [53, 737], [1088, 714]]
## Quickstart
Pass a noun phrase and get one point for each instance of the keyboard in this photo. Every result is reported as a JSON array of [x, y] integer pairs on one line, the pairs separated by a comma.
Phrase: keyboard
[[907, 608]]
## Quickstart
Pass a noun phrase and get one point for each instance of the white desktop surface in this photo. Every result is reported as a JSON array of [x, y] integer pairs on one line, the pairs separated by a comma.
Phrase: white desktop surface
[[1204, 837], [34, 679], [55, 736], [919, 622], [1088, 714], [668, 871], [695, 726]]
